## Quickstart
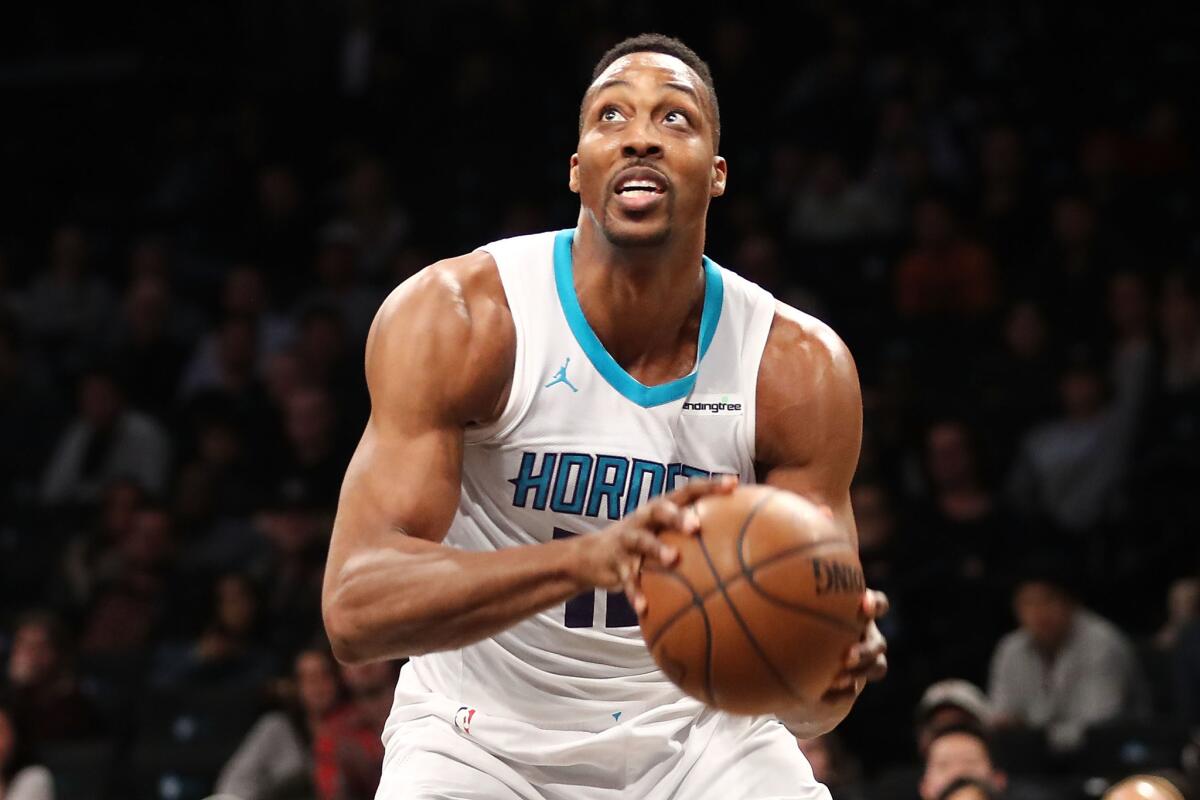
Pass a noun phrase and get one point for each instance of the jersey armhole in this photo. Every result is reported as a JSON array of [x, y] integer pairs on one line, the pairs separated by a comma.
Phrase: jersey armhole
[[753, 347], [519, 396]]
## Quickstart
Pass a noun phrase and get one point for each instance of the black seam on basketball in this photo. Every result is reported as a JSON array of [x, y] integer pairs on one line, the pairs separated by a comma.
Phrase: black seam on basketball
[[700, 599], [748, 571], [697, 602], [799, 609], [708, 650], [741, 622], [754, 509]]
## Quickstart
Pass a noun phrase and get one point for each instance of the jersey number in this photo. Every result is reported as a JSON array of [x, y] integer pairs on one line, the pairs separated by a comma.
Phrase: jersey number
[[580, 608]]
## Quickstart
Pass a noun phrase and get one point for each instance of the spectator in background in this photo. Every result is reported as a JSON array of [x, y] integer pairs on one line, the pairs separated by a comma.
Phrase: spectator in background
[[324, 354], [969, 789], [339, 284], [106, 441], [879, 551], [67, 306], [1006, 211], [1183, 608], [1186, 676], [223, 453], [1073, 281], [313, 457], [957, 752], [1131, 319], [144, 347], [280, 232], [1067, 469], [1179, 310], [230, 651], [21, 778], [244, 296], [829, 209], [134, 593], [950, 703], [234, 390], [961, 546], [1015, 384], [833, 766], [28, 413], [278, 750], [297, 529], [41, 684], [1165, 785], [946, 275], [348, 751], [379, 224], [899, 170], [283, 375], [1065, 668], [91, 555]]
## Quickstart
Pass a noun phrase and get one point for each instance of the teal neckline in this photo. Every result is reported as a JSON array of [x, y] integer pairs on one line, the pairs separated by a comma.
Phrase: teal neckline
[[605, 364]]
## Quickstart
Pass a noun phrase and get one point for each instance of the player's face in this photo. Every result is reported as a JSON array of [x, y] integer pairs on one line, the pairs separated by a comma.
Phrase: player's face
[[646, 166]]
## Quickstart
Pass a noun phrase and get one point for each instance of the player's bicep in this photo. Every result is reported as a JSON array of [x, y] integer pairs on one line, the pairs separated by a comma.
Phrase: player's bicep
[[402, 481], [809, 420], [427, 380]]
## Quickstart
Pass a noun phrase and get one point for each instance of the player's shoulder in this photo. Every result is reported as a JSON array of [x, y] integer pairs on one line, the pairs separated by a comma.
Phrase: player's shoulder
[[453, 317], [455, 298], [800, 346]]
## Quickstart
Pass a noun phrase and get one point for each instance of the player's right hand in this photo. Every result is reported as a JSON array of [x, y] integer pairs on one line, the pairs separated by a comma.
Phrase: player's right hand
[[612, 558]]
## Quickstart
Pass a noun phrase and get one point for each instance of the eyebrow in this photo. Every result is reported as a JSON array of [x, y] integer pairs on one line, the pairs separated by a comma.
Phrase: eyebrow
[[677, 85]]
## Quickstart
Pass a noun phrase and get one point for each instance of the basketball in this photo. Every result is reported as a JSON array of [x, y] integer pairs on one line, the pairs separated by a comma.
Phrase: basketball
[[759, 610]]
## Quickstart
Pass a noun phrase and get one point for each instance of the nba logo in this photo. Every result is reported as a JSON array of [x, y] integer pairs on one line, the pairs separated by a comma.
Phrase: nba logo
[[462, 719]]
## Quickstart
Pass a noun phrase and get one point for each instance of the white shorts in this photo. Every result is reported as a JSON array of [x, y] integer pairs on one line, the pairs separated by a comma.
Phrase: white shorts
[[712, 756]]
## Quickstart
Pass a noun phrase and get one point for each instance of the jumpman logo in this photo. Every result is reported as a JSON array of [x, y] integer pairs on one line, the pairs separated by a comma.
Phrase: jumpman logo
[[561, 377]]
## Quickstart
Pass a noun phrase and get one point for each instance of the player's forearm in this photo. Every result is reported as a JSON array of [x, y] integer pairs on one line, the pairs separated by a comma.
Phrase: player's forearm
[[422, 597]]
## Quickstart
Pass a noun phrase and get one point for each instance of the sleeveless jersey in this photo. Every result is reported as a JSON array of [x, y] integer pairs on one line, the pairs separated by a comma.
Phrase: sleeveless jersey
[[579, 444]]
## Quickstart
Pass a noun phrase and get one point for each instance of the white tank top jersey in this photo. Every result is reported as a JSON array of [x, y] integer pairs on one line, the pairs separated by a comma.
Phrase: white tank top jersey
[[580, 444]]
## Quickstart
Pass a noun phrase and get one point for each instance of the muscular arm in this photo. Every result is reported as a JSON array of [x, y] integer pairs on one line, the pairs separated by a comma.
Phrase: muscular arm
[[439, 358], [809, 414], [808, 434]]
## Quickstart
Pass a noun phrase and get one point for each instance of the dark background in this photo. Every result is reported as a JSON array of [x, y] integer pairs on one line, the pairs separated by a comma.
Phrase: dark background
[[202, 203]]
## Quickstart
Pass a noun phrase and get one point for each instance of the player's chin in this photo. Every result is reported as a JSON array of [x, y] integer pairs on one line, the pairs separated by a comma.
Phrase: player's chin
[[628, 230]]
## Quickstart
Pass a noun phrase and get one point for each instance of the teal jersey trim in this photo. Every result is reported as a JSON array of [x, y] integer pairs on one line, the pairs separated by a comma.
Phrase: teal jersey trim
[[605, 364]]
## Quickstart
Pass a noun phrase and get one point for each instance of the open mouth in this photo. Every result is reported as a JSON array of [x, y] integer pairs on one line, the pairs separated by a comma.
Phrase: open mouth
[[640, 189], [640, 181]]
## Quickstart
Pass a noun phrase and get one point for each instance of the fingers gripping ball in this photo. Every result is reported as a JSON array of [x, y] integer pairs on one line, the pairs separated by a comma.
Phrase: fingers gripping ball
[[759, 610]]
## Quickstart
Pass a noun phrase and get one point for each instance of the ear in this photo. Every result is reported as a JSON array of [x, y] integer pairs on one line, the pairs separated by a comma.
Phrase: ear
[[573, 179], [720, 172]]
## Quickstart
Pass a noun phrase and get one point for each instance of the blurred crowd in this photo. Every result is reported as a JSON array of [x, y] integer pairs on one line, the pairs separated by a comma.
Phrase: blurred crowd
[[996, 207]]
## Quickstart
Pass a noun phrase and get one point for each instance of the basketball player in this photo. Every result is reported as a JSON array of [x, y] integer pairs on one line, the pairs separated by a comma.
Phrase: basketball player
[[529, 400]]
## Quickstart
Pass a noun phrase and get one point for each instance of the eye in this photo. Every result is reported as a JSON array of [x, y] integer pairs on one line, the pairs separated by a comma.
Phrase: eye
[[611, 114], [677, 114]]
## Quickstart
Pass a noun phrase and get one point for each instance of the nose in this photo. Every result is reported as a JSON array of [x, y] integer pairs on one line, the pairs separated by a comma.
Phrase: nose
[[641, 141]]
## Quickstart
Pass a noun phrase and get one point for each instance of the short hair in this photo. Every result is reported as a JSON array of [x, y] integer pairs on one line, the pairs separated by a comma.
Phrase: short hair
[[966, 729], [667, 45], [955, 785]]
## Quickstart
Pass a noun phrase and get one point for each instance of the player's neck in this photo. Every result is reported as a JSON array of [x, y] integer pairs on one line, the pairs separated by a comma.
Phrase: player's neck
[[641, 302]]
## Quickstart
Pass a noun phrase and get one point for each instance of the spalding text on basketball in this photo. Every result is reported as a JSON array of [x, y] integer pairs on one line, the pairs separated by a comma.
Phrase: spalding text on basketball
[[834, 576]]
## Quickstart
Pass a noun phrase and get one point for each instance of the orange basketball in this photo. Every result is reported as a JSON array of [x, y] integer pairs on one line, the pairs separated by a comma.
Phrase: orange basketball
[[757, 614]]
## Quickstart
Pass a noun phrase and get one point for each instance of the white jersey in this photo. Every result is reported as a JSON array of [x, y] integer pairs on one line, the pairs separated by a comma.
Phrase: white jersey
[[580, 444]]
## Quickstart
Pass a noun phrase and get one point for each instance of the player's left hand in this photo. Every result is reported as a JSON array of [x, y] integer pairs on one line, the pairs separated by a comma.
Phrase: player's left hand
[[866, 660]]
